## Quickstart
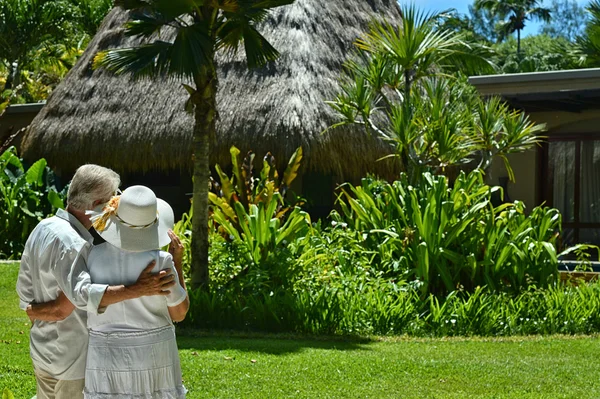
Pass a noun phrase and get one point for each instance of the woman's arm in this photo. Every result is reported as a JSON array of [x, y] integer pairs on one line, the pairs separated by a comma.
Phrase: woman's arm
[[176, 248]]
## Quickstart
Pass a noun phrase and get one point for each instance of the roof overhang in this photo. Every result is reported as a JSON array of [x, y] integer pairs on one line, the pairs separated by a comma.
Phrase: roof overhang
[[569, 91], [25, 108]]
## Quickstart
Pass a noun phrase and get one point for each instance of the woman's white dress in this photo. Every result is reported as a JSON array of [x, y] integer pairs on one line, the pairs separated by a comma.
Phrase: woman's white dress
[[132, 351]]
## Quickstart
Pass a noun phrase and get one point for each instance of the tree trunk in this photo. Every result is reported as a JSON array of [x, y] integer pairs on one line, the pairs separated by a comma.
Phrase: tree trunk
[[519, 42], [205, 111]]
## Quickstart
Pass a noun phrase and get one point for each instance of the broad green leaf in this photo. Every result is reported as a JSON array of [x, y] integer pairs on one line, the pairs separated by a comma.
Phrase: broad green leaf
[[55, 200], [35, 174]]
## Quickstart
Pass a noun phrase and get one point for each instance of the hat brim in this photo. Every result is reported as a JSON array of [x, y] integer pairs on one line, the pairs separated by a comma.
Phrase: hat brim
[[145, 239]]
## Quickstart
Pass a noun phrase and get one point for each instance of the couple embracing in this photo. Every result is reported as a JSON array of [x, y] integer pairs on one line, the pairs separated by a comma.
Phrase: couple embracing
[[103, 314]]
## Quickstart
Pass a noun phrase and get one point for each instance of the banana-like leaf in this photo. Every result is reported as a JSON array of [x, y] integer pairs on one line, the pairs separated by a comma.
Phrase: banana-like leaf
[[9, 157], [266, 194], [55, 200], [3, 106], [226, 224], [35, 173]]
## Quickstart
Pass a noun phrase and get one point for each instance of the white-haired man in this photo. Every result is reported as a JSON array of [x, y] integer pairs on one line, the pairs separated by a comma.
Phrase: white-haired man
[[55, 290]]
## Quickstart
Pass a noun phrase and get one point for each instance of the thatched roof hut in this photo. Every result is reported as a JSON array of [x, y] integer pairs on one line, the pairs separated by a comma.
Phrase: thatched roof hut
[[95, 116]]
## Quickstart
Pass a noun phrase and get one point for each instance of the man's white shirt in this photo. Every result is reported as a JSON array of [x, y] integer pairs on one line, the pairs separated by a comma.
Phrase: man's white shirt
[[54, 259]]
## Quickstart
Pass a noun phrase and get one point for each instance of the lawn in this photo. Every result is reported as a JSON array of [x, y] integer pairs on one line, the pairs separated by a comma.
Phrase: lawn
[[234, 365]]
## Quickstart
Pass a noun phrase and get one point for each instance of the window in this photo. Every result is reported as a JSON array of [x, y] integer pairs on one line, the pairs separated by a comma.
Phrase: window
[[571, 183]]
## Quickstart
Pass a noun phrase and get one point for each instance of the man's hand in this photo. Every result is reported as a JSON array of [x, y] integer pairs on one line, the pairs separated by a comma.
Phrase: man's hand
[[64, 303], [176, 249], [55, 310], [153, 283]]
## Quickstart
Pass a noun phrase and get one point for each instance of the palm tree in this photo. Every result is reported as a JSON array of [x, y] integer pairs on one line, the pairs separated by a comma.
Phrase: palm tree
[[517, 12], [588, 45], [198, 29]]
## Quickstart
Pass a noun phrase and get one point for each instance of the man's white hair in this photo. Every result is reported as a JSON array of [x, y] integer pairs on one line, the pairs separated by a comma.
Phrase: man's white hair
[[92, 183]]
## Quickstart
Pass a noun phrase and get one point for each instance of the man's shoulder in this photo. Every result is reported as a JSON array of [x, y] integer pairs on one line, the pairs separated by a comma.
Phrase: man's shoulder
[[58, 229], [47, 228]]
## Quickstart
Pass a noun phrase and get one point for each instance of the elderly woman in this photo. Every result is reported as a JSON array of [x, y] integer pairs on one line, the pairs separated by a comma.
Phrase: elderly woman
[[132, 351]]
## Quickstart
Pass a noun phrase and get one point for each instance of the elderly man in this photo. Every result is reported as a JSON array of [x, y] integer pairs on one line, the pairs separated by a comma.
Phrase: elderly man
[[56, 292]]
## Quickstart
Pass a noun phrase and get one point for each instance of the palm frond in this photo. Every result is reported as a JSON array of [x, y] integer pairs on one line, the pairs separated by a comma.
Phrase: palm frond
[[258, 49], [266, 4], [191, 50], [147, 60], [145, 23], [132, 4], [540, 13]]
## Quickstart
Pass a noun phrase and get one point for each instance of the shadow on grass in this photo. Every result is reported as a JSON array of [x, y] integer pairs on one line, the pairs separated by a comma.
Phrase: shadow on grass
[[273, 344]]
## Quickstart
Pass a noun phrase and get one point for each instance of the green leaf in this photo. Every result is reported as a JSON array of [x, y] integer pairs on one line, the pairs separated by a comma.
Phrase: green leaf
[[9, 157], [145, 24], [192, 51], [55, 200], [291, 171], [258, 50], [35, 174], [237, 172], [7, 394], [226, 185], [147, 60], [224, 205]]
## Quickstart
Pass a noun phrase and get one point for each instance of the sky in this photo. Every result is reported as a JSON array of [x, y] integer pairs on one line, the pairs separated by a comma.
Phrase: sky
[[462, 6]]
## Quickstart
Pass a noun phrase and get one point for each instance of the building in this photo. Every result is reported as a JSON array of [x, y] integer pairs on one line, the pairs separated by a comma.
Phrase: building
[[564, 172]]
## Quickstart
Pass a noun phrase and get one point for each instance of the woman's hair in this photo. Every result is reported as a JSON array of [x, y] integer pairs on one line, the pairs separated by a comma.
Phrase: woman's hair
[[90, 184]]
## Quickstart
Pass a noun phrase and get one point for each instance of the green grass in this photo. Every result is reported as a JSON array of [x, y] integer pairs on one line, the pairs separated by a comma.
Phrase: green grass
[[235, 365]]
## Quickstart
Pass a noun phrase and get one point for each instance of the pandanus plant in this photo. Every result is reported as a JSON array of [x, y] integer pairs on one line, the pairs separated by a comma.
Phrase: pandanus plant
[[405, 86]]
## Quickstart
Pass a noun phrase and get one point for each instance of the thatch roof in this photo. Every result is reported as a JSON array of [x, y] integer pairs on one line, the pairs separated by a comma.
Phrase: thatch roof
[[95, 116]]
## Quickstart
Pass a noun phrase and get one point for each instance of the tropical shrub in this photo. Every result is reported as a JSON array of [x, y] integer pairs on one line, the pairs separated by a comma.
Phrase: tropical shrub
[[246, 189], [251, 211], [539, 53], [442, 238], [377, 267], [26, 197]]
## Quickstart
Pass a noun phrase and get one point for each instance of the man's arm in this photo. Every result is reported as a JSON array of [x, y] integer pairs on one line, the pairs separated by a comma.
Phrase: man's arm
[[94, 298], [55, 310], [147, 284], [25, 281]]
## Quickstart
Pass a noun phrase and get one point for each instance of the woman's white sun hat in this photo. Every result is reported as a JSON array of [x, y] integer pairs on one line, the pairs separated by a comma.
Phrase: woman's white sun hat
[[135, 221]]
